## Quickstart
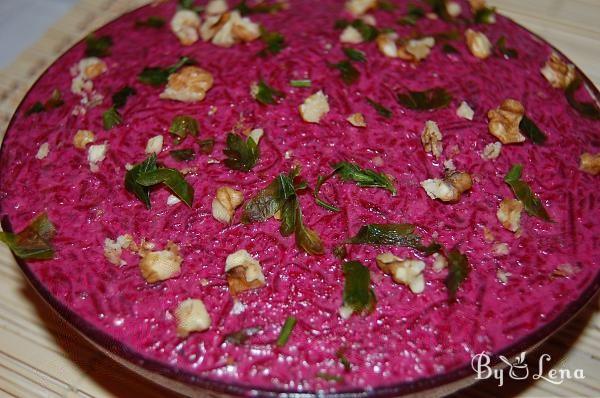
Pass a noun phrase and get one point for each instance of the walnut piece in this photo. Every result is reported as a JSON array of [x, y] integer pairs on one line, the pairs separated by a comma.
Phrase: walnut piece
[[416, 50], [504, 122], [351, 35], [431, 138], [509, 214], [386, 42], [43, 151], [465, 111], [492, 151], [406, 272], [161, 265], [154, 145], [243, 272], [185, 24], [225, 202], [439, 262], [216, 7], [449, 189], [360, 7], [190, 84], [96, 154], [357, 120], [84, 72], [114, 248], [478, 44], [82, 138], [590, 163], [228, 29], [191, 316], [558, 73], [314, 107], [453, 9]]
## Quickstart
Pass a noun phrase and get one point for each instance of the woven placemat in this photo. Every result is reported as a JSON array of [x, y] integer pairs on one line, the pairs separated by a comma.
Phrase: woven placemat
[[42, 356]]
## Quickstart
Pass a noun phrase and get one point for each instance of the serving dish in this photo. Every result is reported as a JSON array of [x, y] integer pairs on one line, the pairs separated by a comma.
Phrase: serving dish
[[369, 117]]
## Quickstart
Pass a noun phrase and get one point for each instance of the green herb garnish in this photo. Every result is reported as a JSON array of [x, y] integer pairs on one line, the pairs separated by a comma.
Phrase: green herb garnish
[[241, 155], [157, 76], [274, 42], [458, 270], [286, 331], [260, 8], [241, 336], [348, 72], [120, 97], [281, 196], [382, 110], [34, 241], [330, 377], [532, 131], [587, 109], [413, 14], [485, 15], [142, 176], [393, 234], [301, 83], [439, 8], [111, 118], [264, 93], [424, 100], [533, 205], [368, 32], [98, 46], [183, 155], [449, 49], [352, 172], [189, 5], [386, 5], [182, 126], [358, 295], [53, 102], [354, 54], [206, 145], [343, 359], [150, 22], [508, 53]]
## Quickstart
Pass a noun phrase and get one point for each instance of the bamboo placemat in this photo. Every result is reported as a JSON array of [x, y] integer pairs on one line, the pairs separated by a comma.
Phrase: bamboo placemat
[[41, 356]]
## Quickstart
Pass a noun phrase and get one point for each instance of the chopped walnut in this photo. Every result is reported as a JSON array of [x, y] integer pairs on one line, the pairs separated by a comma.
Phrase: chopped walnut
[[43, 151], [509, 214], [431, 138], [360, 7], [228, 29], [357, 120], [407, 272], [96, 154], [416, 49], [225, 202], [478, 44], [503, 276], [501, 249], [256, 134], [439, 262], [83, 73], [558, 73], [314, 107], [590, 163], [386, 42], [190, 84], [186, 26], [488, 235], [453, 9], [161, 265], [82, 138], [351, 35], [369, 19], [191, 316], [449, 165], [243, 272], [505, 120], [114, 248], [450, 188], [492, 151], [154, 145], [465, 111], [216, 7], [172, 200], [565, 270], [91, 67]]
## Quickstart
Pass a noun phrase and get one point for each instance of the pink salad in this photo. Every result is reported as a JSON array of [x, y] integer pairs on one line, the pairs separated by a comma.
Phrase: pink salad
[[409, 123]]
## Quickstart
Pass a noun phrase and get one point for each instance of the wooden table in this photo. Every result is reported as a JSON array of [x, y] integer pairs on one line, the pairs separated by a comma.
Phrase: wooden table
[[40, 356]]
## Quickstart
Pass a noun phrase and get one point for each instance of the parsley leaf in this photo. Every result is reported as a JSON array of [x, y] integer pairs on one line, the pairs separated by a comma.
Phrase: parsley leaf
[[111, 118], [358, 296], [183, 155], [354, 54], [264, 93], [241, 155], [330, 377], [53, 102], [150, 22], [182, 126], [393, 234], [382, 110], [508, 53], [189, 5], [413, 14], [260, 8], [368, 32], [131, 184], [98, 46], [533, 205], [532, 131], [120, 97], [424, 100], [286, 331], [458, 270], [485, 15], [301, 83], [34, 241], [172, 178], [348, 72], [157, 76], [274, 42], [439, 8], [587, 109]]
